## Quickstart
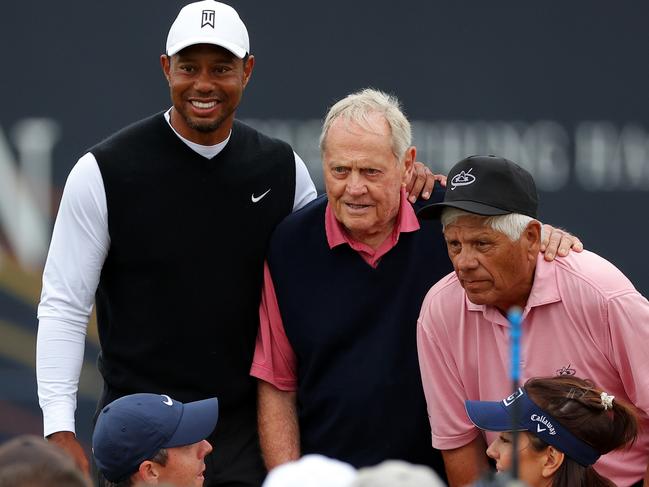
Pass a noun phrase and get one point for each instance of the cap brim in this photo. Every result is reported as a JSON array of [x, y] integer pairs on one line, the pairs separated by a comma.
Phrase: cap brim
[[197, 423], [434, 211], [490, 416], [233, 48]]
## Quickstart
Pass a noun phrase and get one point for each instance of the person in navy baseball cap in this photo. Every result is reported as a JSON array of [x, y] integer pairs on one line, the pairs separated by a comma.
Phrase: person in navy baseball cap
[[152, 438], [567, 423]]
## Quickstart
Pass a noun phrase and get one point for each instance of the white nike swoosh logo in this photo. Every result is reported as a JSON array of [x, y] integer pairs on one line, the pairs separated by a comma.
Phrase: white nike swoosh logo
[[168, 402], [255, 199], [539, 429]]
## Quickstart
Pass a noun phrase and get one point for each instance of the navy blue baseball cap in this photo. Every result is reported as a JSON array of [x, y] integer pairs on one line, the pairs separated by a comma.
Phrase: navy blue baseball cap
[[487, 185], [499, 416], [134, 428]]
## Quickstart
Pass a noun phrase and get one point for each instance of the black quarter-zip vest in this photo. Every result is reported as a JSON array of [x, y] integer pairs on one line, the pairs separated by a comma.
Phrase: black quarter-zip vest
[[178, 298]]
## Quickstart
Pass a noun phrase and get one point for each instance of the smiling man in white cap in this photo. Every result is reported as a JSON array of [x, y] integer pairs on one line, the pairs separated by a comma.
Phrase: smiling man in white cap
[[165, 225], [153, 439]]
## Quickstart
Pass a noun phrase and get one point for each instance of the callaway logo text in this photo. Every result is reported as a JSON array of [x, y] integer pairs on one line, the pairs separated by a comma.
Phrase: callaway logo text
[[543, 420]]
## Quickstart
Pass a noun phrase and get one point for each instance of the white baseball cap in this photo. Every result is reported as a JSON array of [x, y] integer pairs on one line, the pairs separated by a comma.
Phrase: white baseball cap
[[311, 471], [208, 22]]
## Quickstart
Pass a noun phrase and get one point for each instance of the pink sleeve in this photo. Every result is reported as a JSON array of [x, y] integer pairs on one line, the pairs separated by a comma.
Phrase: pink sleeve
[[445, 394], [628, 318], [274, 360]]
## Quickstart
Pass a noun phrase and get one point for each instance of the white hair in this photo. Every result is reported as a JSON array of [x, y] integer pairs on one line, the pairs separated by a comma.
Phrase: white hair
[[512, 224], [360, 106]]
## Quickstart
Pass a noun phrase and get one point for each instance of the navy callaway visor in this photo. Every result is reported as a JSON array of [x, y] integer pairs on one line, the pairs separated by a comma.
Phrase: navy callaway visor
[[498, 416]]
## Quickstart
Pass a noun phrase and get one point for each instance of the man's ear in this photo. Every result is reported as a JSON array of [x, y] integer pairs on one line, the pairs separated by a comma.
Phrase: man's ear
[[532, 236], [408, 164], [165, 62], [553, 460], [148, 473], [247, 69]]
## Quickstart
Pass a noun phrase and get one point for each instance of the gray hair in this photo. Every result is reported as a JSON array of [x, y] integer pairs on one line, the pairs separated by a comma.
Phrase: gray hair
[[512, 224], [358, 108]]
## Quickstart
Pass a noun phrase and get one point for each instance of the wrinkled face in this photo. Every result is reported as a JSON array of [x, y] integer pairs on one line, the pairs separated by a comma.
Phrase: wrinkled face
[[364, 178], [530, 461], [206, 84], [185, 465], [492, 269]]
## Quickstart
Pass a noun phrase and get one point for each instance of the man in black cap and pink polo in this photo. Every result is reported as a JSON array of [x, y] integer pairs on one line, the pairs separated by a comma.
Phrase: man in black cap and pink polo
[[581, 316]]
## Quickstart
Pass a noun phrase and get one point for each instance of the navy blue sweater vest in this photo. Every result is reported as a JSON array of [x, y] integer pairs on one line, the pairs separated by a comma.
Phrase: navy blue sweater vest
[[353, 329], [179, 293]]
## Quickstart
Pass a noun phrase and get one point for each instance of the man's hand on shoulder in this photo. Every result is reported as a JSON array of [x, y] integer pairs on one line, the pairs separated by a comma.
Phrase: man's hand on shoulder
[[556, 241], [422, 182], [69, 443]]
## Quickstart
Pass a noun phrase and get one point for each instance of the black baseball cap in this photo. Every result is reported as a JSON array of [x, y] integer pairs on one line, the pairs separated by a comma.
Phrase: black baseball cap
[[487, 185]]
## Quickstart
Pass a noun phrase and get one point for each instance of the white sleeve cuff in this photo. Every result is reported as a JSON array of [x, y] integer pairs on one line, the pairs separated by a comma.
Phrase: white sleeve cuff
[[58, 416]]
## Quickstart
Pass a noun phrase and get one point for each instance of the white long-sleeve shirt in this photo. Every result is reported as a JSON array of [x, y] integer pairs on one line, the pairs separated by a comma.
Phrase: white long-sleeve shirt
[[79, 245]]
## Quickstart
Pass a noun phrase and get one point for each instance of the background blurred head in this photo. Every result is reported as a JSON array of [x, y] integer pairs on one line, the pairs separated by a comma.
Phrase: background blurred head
[[397, 473], [30, 461], [312, 471]]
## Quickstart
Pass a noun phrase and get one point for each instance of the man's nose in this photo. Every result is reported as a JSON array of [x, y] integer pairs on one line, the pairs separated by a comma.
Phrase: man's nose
[[204, 82], [356, 184], [465, 259], [206, 448]]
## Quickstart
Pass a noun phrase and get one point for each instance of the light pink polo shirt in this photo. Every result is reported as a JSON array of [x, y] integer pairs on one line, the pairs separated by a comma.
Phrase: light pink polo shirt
[[583, 317], [274, 360]]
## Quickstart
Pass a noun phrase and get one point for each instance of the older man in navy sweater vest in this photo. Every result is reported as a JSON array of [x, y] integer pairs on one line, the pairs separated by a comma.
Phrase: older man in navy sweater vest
[[345, 276]]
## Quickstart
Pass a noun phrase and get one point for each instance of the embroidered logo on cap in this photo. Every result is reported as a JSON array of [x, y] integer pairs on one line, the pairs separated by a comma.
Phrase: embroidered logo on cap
[[168, 401], [462, 179], [509, 400], [207, 18], [543, 420]]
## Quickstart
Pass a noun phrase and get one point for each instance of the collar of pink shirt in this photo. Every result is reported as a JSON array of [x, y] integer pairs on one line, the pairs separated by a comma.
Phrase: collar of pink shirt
[[337, 235]]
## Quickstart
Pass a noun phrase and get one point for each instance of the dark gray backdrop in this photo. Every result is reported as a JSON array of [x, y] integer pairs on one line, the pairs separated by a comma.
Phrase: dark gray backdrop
[[557, 86]]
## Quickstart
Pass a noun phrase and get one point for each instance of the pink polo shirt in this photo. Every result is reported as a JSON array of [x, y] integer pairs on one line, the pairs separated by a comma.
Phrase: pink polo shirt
[[583, 317], [274, 360]]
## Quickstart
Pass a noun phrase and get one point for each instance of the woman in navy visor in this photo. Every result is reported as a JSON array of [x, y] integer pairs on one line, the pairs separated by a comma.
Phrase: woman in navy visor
[[566, 423]]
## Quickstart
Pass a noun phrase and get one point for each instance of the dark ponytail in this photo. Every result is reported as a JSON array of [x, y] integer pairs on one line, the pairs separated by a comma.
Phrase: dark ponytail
[[578, 405]]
